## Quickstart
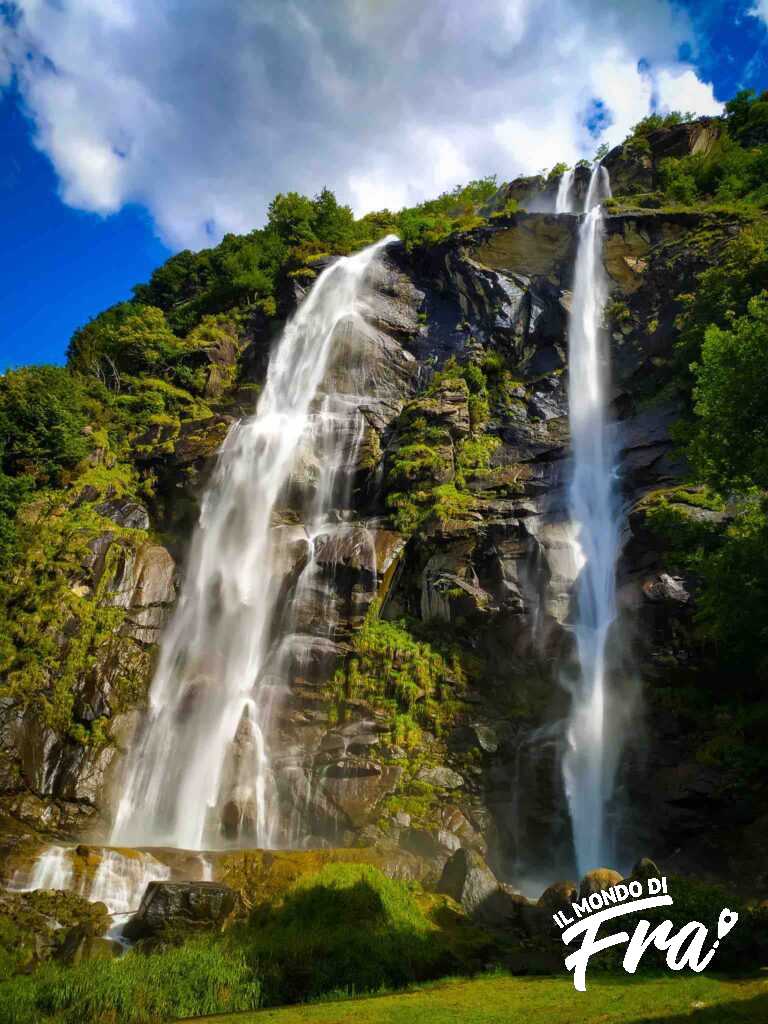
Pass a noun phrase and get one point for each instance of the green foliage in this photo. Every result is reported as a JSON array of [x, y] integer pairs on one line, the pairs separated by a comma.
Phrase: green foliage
[[747, 112], [510, 207], [457, 210], [723, 291], [54, 626], [413, 681], [730, 446], [733, 607], [205, 975], [350, 928], [694, 900], [729, 174], [240, 272], [43, 416], [416, 477], [345, 928], [557, 172]]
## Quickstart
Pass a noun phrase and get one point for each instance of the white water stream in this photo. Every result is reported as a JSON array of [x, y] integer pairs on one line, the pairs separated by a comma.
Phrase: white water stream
[[564, 198], [201, 771], [589, 761]]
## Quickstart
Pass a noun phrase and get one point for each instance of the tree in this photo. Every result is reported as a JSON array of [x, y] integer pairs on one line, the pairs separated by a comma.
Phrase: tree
[[291, 217], [730, 449], [332, 223], [43, 415]]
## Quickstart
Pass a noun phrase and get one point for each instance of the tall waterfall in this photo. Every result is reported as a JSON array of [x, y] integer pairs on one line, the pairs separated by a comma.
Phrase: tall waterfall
[[589, 759], [564, 196], [202, 766]]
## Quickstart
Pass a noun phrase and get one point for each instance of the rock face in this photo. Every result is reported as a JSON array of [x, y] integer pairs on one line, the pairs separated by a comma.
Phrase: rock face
[[48, 779], [634, 168], [47, 925], [486, 580], [180, 905]]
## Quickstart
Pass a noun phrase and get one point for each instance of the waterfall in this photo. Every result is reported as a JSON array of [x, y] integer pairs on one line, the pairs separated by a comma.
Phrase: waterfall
[[202, 767], [119, 880], [564, 198], [51, 870], [590, 755]]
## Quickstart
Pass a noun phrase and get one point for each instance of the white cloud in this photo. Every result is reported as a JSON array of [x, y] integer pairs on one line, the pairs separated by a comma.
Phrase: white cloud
[[760, 10], [203, 112], [682, 90]]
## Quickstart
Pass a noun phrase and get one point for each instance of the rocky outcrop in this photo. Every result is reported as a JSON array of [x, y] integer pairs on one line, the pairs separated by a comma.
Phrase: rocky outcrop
[[52, 780], [46, 925], [492, 578], [169, 906], [634, 165]]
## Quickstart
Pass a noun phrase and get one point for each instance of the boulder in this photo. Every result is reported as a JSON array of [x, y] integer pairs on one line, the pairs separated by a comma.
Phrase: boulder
[[467, 879], [666, 589], [645, 869], [441, 776], [180, 904], [558, 896], [600, 878], [78, 946]]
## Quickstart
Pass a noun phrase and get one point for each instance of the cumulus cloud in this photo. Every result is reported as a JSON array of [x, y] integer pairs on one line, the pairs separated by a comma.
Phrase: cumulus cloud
[[202, 112], [760, 10]]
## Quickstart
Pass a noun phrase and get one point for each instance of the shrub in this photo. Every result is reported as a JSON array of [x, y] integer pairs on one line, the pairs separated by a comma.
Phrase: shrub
[[350, 928]]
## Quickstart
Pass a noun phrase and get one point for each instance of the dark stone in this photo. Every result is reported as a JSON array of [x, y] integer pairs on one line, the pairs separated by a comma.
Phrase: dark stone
[[467, 879], [186, 904], [126, 513]]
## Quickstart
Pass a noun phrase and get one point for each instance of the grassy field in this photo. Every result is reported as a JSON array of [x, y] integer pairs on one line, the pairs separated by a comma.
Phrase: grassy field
[[499, 999]]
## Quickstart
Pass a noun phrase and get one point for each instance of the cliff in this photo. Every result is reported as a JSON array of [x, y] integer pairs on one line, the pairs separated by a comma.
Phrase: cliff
[[431, 717]]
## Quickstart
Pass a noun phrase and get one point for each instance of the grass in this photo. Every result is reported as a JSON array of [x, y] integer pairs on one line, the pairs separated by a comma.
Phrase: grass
[[500, 999], [346, 928]]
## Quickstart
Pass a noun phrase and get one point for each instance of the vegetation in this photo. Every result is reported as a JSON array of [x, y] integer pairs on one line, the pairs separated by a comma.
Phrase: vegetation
[[428, 474], [346, 928], [413, 681], [201, 976], [139, 375], [501, 999]]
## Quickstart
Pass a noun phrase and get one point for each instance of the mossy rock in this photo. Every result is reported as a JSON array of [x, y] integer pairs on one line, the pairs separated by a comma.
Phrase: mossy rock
[[46, 924], [263, 876], [534, 246]]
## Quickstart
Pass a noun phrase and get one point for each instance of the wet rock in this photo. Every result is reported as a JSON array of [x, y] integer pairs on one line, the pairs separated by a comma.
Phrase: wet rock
[[533, 245], [355, 787], [666, 588], [46, 924], [634, 170], [600, 878], [441, 776], [184, 904], [79, 946]]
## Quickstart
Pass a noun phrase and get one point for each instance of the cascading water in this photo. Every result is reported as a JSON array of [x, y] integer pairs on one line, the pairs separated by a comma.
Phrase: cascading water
[[564, 197], [589, 760], [202, 766]]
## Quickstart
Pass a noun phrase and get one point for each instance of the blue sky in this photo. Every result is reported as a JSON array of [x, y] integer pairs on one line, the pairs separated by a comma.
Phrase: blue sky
[[132, 128]]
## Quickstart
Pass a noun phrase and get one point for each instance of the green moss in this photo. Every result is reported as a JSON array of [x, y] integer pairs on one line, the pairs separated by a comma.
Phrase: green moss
[[412, 682], [56, 621]]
